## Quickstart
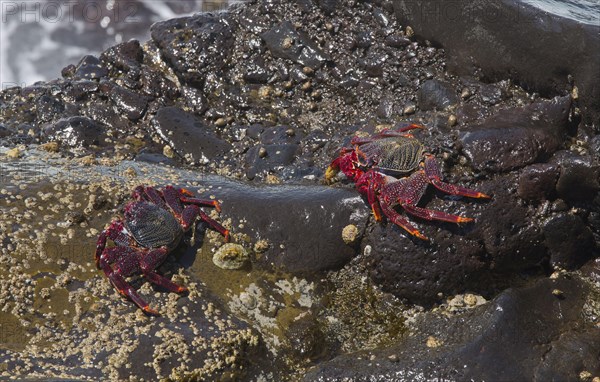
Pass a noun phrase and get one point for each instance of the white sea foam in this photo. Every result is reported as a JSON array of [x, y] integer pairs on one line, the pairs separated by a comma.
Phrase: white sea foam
[[35, 48]]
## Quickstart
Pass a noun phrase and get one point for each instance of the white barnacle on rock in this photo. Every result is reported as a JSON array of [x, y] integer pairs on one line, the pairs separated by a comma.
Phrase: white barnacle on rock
[[230, 256]]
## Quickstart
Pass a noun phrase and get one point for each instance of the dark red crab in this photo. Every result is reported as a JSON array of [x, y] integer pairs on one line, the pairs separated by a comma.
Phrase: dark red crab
[[371, 161], [153, 225]]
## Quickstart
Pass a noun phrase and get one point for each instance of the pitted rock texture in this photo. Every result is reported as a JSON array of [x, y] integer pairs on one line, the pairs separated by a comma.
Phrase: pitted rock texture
[[500, 341]]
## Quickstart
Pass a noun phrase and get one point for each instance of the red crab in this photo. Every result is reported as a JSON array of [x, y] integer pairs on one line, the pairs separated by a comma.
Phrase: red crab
[[153, 226], [395, 152]]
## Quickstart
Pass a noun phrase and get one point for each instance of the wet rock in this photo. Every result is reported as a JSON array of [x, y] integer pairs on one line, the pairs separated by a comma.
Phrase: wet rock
[[269, 157], [279, 135], [75, 132], [436, 94], [386, 108], [591, 270], [505, 239], [306, 339], [307, 241], [4, 131], [381, 17], [279, 147], [68, 71], [512, 237], [130, 103], [414, 270], [256, 73], [328, 6], [91, 68], [285, 42], [195, 46], [501, 340], [188, 136], [470, 112], [571, 354], [48, 108], [397, 41], [579, 177], [517, 137], [477, 45], [374, 64], [149, 157], [155, 85], [126, 56], [569, 241], [538, 181], [195, 99], [102, 112], [491, 94], [190, 334], [363, 40], [82, 89]]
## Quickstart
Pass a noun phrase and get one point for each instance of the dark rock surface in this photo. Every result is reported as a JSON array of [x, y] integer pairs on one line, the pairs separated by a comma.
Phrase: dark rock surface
[[188, 136], [477, 35], [76, 132], [201, 32], [285, 42], [484, 256], [302, 224], [516, 337], [90, 68], [579, 176], [538, 181], [569, 241], [436, 94], [517, 137]]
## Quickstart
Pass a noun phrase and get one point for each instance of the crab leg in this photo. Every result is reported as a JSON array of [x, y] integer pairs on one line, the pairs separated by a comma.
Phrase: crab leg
[[100, 245], [202, 202], [172, 198], [399, 220], [369, 183], [113, 232], [152, 260], [374, 203], [191, 212], [426, 214], [119, 282], [149, 194], [214, 225], [164, 282], [433, 174]]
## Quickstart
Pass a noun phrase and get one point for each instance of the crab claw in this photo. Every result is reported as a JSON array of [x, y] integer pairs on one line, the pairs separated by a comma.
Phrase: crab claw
[[330, 173]]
